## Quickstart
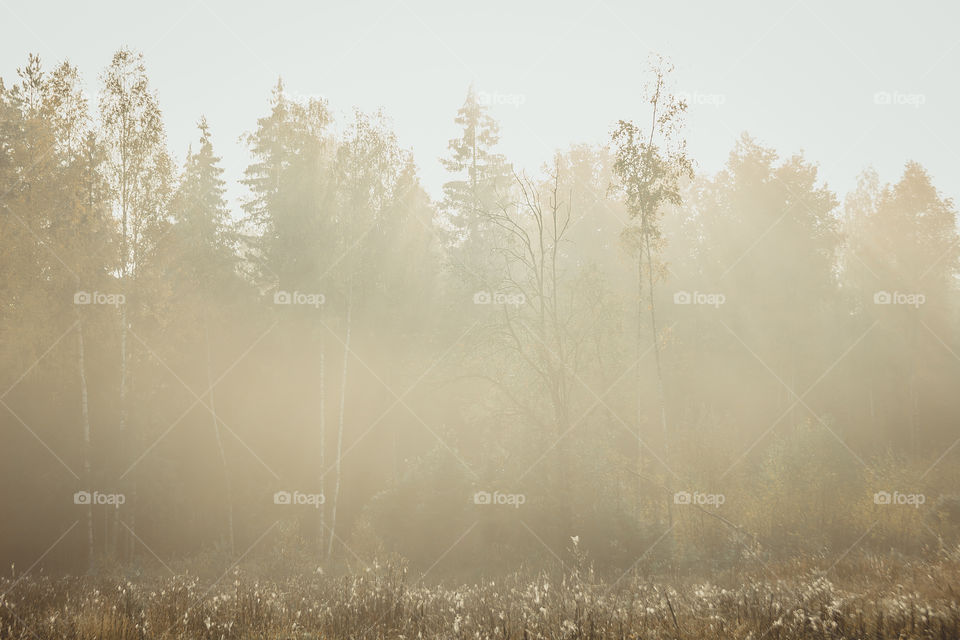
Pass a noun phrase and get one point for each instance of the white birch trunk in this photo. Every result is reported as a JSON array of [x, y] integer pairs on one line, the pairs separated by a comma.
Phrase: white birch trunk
[[85, 418], [343, 400], [216, 430]]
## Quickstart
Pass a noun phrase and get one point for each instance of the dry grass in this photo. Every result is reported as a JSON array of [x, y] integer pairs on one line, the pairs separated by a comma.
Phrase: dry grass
[[861, 597]]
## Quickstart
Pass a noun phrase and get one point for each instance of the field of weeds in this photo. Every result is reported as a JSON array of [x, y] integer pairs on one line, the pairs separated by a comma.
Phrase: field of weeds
[[860, 597]]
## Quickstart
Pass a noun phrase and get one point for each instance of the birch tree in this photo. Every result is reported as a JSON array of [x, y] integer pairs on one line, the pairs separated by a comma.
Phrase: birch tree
[[650, 164], [139, 176], [369, 164]]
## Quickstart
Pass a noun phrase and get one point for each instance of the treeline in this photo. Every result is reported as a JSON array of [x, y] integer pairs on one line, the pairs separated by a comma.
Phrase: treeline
[[618, 348]]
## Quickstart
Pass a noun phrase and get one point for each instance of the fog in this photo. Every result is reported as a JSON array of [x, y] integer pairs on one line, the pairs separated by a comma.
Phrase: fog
[[325, 377]]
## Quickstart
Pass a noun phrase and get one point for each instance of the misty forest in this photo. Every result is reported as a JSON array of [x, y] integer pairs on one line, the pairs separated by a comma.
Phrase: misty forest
[[619, 396]]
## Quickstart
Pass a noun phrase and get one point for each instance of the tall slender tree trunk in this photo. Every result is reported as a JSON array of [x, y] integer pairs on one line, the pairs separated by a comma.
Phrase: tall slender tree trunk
[[87, 448], [343, 401], [116, 534], [125, 448], [323, 439], [124, 267], [562, 392], [645, 230], [914, 388], [228, 485], [660, 394], [640, 461], [130, 538]]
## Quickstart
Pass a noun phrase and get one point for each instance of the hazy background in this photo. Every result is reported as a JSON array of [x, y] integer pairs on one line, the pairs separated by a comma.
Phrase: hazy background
[[499, 315], [797, 75], [511, 319]]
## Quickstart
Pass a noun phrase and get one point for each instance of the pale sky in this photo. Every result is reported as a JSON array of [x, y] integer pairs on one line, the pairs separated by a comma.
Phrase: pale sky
[[798, 75]]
